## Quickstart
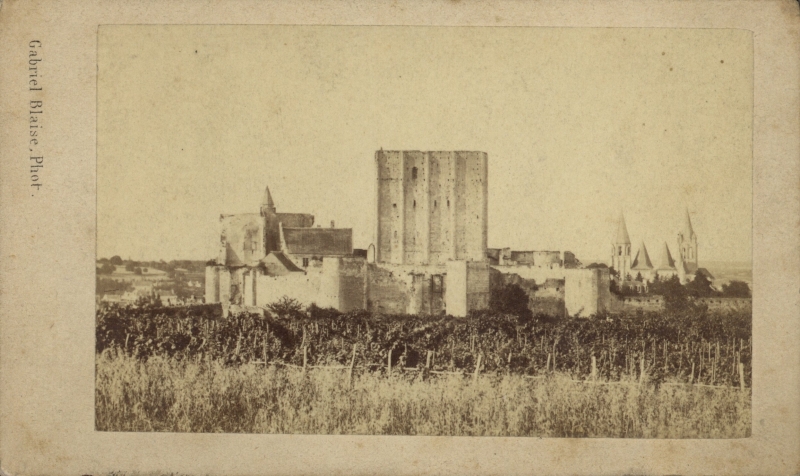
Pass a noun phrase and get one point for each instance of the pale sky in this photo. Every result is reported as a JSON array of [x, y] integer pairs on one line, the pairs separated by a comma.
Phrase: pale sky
[[578, 124]]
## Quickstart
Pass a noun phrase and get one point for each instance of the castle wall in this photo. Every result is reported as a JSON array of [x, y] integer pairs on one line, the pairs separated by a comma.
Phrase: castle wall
[[224, 285], [305, 288], [328, 294], [468, 287], [212, 284], [656, 303], [343, 284], [583, 294], [388, 292], [353, 278], [540, 275]]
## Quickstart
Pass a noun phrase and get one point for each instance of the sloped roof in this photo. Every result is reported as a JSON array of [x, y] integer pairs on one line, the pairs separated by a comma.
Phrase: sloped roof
[[267, 201], [278, 264], [622, 231], [665, 260], [688, 231], [642, 259], [296, 220], [319, 241]]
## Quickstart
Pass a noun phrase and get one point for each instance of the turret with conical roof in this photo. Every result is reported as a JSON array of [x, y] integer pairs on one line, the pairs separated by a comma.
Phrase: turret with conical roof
[[642, 260], [687, 245], [665, 261], [621, 250]]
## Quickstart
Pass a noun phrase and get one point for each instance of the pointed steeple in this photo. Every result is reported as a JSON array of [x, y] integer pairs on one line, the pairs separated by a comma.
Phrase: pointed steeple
[[267, 202], [642, 260], [688, 231], [665, 260], [622, 231]]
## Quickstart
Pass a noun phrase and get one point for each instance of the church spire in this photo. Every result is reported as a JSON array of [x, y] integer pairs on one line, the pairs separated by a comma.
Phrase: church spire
[[267, 204], [622, 231], [688, 231], [621, 251]]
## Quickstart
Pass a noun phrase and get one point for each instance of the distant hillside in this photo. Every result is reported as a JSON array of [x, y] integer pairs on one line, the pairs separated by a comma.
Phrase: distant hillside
[[726, 271]]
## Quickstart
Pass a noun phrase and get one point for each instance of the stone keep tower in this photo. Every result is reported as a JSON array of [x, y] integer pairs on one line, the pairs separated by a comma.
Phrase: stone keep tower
[[687, 246], [621, 250], [432, 206]]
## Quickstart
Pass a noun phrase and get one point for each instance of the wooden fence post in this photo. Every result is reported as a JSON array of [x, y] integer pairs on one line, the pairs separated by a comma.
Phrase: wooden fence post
[[691, 375], [352, 364], [594, 368], [741, 376], [641, 370], [477, 368], [389, 363], [428, 360], [547, 368], [305, 358]]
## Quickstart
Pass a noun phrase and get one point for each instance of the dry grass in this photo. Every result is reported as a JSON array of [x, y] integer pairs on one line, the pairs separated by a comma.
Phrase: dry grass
[[168, 395]]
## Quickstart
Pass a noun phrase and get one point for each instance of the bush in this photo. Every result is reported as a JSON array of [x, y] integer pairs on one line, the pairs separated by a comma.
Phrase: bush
[[508, 342]]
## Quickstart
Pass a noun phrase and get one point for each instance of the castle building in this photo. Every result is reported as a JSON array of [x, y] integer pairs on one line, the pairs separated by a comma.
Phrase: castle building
[[430, 253], [431, 206], [268, 243]]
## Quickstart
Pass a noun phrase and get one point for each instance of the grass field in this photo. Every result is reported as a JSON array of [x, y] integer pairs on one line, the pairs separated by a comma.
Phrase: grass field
[[166, 394]]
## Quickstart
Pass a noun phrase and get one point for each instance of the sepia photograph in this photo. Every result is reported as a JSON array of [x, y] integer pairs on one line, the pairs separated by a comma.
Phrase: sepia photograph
[[419, 230]]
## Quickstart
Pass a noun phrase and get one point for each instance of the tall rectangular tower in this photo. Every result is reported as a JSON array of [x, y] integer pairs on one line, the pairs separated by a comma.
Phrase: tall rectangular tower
[[432, 206]]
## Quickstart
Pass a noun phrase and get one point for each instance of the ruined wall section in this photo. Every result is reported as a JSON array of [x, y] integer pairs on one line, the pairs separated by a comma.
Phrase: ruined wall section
[[388, 292], [540, 275], [224, 285], [587, 292], [241, 239], [212, 284], [353, 289]]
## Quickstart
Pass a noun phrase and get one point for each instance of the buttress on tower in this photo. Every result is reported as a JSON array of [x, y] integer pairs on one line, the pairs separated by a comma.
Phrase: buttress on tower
[[432, 207]]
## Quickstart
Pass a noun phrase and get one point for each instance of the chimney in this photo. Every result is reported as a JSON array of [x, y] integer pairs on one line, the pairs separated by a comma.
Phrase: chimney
[[333, 224]]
